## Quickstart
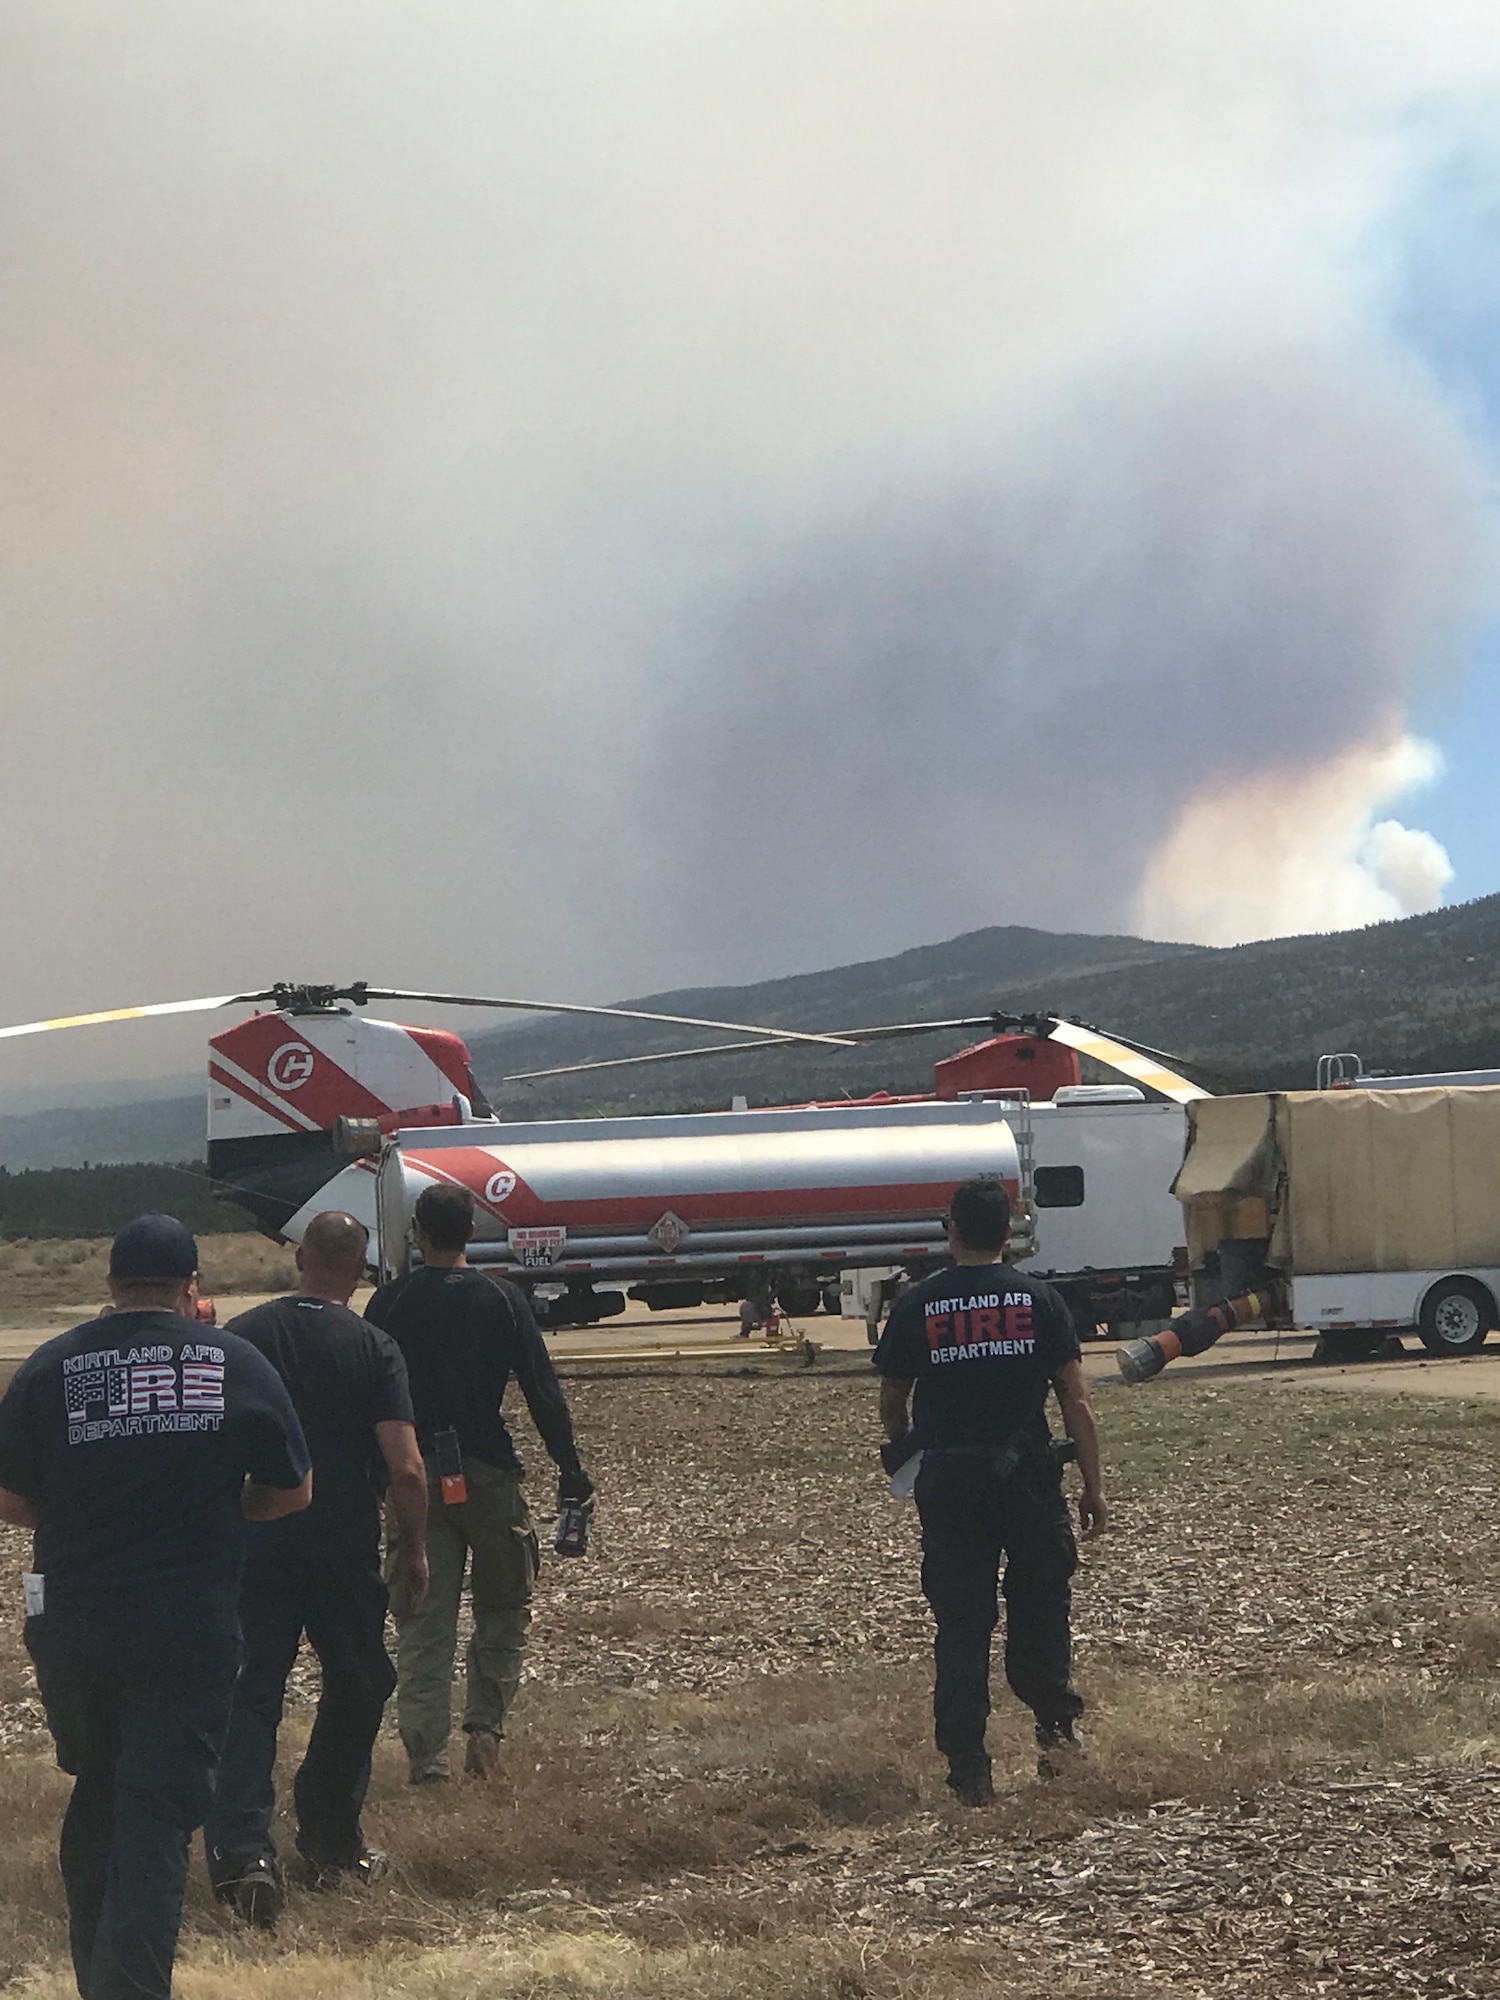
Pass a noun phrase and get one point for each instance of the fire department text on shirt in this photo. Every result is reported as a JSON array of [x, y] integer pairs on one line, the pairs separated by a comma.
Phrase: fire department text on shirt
[[993, 1324], [143, 1393]]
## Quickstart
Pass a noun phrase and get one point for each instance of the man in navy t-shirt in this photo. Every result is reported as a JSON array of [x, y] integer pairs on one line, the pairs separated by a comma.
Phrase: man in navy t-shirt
[[982, 1346], [138, 1446]]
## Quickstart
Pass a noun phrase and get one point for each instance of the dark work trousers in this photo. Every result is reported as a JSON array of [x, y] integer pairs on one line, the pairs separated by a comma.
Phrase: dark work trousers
[[336, 1596], [139, 1727], [972, 1521]]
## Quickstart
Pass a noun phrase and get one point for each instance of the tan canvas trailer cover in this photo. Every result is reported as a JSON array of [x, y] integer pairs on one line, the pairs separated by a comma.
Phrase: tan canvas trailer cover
[[1347, 1180]]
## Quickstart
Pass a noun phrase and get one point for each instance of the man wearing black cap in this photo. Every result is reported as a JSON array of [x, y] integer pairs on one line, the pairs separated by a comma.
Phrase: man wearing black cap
[[137, 1446]]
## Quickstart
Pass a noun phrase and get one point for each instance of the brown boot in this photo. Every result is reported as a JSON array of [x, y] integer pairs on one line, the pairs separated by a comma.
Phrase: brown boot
[[481, 1754]]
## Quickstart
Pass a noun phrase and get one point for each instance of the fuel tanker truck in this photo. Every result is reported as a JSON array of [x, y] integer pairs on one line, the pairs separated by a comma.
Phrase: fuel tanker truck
[[314, 1105], [710, 1206]]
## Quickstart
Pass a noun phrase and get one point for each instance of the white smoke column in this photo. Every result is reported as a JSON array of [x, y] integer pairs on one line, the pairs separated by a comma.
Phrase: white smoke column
[[1295, 851]]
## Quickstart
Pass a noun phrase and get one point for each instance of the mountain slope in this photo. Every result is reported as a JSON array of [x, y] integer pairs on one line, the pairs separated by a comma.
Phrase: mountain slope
[[168, 1128]]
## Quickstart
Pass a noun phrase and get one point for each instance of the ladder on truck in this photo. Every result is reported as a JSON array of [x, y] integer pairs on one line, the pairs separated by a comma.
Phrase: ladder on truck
[[1017, 1104]]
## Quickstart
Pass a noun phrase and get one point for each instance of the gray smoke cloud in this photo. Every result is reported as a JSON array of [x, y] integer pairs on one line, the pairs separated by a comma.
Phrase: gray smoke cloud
[[592, 498], [999, 688]]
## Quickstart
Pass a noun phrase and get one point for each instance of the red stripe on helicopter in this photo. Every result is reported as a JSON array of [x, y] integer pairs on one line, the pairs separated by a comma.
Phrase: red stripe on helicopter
[[447, 1052], [271, 1049], [256, 1094]]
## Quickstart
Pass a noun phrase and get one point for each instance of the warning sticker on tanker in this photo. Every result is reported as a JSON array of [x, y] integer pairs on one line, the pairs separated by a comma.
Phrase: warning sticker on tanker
[[533, 1247], [669, 1232]]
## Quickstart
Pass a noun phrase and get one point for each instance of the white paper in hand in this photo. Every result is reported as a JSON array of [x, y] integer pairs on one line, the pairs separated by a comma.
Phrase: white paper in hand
[[905, 1479]]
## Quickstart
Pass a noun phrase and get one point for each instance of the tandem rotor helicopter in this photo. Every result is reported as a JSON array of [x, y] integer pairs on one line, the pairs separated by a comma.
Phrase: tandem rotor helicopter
[[315, 1104]]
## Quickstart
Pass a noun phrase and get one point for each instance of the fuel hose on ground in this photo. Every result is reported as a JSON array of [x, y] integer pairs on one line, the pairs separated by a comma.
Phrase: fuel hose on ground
[[1193, 1333]]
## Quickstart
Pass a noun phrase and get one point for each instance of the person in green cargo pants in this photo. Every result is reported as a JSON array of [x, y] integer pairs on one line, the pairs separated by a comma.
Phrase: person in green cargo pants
[[490, 1534], [463, 1335]]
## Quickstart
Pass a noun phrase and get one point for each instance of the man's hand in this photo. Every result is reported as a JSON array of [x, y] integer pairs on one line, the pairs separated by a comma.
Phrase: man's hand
[[896, 1451], [1093, 1512], [575, 1485], [415, 1575]]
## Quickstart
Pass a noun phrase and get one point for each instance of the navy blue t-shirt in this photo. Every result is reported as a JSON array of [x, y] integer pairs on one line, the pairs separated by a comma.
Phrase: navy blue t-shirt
[[133, 1436], [982, 1343]]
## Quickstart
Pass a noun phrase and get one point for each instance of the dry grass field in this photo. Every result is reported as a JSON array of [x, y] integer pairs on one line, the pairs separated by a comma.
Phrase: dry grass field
[[720, 1782], [69, 1272]]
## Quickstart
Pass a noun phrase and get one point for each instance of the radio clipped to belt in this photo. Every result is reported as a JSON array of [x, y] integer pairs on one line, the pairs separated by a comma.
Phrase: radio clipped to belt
[[450, 1465]]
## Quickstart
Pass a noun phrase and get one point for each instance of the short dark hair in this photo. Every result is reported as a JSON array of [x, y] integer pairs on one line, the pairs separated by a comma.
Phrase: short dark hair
[[445, 1215], [980, 1213]]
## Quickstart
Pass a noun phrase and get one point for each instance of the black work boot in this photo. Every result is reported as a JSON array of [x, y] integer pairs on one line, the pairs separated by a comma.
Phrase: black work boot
[[1060, 1749], [969, 1780], [255, 1893], [362, 1869]]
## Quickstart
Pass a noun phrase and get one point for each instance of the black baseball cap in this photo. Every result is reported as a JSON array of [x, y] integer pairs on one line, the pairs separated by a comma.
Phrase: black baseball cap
[[153, 1246]]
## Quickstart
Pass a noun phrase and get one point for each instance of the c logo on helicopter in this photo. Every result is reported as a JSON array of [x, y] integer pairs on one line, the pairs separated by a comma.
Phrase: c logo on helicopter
[[291, 1066]]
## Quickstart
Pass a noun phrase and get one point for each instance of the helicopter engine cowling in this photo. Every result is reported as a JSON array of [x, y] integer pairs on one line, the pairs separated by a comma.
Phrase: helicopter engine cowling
[[283, 1084]]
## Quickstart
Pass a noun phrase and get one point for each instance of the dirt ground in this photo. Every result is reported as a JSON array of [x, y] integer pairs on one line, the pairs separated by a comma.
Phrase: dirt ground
[[720, 1780]]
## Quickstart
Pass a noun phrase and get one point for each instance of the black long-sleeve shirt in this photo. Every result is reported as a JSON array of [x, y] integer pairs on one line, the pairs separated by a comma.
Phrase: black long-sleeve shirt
[[463, 1335]]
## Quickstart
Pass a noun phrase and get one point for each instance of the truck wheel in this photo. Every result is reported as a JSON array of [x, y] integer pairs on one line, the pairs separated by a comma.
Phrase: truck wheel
[[1456, 1317]]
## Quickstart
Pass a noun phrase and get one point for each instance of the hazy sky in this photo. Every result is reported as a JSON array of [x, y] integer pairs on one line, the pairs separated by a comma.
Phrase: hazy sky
[[587, 498]]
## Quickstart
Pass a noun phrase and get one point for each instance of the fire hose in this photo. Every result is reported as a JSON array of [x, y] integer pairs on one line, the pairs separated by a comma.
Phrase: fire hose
[[1193, 1333]]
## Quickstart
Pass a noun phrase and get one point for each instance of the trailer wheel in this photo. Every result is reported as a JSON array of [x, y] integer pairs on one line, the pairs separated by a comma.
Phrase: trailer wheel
[[1457, 1317]]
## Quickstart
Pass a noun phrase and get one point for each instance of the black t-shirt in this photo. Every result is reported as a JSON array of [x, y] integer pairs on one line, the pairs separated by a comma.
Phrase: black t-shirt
[[982, 1342], [345, 1376], [133, 1435], [463, 1335]]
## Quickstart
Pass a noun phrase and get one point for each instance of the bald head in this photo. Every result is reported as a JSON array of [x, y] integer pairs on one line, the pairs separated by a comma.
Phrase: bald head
[[331, 1255]]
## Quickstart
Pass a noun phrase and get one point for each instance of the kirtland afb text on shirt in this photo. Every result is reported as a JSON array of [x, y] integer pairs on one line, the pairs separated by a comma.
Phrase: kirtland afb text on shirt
[[995, 1323], [143, 1390]]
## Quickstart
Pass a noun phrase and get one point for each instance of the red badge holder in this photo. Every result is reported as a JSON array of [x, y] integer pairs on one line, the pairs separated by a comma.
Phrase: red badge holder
[[450, 1465]]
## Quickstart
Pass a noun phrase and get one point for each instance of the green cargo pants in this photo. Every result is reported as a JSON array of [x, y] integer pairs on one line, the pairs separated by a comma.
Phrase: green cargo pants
[[491, 1534]]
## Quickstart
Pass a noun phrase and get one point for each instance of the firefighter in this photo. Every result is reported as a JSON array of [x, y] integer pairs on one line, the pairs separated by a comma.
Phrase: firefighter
[[137, 1446], [464, 1335], [983, 1344], [320, 1574]]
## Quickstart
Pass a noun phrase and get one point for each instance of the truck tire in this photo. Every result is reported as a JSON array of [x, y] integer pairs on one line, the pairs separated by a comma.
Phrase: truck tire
[[1457, 1317], [800, 1297]]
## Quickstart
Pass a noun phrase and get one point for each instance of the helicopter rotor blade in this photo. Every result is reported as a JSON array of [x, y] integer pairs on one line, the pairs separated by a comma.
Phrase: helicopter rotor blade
[[1147, 1070], [1141, 1064], [770, 1035], [159, 1008], [847, 1037]]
